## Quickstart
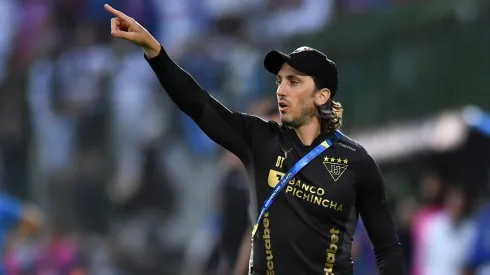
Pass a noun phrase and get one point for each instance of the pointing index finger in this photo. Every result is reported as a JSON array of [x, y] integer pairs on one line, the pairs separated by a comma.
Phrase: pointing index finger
[[116, 13]]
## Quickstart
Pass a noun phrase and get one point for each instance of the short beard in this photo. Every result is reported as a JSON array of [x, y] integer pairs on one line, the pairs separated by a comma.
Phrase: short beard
[[306, 115]]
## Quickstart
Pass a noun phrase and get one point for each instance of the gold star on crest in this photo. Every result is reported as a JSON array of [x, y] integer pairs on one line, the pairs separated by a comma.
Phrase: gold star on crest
[[339, 160], [326, 159], [346, 161], [332, 159]]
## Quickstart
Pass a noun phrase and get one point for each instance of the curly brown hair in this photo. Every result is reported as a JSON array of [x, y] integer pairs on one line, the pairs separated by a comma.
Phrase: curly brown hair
[[330, 113]]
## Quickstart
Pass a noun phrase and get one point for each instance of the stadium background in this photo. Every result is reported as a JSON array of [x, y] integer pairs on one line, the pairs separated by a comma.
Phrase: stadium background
[[129, 185]]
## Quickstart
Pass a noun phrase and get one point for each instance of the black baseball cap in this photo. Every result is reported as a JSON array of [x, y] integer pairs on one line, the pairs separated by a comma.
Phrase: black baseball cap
[[308, 61]]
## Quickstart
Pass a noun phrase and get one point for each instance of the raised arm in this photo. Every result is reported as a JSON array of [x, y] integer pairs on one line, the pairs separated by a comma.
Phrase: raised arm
[[374, 209], [230, 129]]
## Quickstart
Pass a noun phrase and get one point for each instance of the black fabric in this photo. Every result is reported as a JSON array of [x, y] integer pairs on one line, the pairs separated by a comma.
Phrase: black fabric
[[309, 228]]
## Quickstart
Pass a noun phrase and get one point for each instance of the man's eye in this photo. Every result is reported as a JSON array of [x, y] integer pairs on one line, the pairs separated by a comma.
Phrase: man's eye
[[293, 82], [278, 82]]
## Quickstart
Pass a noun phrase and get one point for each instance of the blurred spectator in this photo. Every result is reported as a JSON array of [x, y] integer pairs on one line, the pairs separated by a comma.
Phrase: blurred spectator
[[13, 142], [35, 30], [176, 24], [60, 255], [91, 201], [8, 24], [224, 8], [18, 219], [406, 214], [478, 257], [448, 236], [136, 120], [233, 208], [432, 194], [286, 19]]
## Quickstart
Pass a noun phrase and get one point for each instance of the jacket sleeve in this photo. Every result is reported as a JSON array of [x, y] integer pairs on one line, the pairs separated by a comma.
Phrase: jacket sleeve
[[230, 129], [375, 212]]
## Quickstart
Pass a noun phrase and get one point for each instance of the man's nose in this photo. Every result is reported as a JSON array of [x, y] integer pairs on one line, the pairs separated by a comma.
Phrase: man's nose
[[281, 91]]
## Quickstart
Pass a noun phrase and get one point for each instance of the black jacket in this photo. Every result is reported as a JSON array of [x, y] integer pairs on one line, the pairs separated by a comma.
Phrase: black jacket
[[309, 228]]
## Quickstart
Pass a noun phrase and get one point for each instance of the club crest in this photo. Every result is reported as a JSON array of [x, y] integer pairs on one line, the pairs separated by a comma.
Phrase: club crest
[[335, 166]]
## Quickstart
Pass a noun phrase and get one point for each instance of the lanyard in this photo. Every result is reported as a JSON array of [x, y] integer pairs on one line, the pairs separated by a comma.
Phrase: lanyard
[[290, 174]]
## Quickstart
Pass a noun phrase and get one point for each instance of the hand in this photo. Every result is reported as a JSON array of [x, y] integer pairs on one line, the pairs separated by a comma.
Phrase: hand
[[125, 27]]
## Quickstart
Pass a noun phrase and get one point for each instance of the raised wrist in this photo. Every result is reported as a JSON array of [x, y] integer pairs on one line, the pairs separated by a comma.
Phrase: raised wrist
[[153, 49]]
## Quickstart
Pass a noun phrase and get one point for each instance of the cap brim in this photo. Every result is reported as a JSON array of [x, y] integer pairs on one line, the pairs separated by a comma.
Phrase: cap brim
[[274, 60]]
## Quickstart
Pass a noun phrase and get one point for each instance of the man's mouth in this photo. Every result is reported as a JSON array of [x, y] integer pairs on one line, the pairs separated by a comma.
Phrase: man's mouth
[[282, 106]]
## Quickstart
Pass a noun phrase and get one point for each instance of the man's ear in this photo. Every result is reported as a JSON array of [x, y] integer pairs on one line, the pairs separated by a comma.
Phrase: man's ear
[[322, 96]]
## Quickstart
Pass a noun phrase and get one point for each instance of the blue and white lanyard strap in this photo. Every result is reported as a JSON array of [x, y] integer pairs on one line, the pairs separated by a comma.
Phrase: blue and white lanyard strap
[[290, 174]]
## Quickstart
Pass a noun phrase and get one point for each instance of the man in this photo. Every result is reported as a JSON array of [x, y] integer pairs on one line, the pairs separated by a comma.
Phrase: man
[[306, 225]]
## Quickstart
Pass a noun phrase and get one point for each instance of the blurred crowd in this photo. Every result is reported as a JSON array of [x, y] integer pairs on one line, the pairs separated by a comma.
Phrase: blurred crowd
[[443, 230], [126, 183]]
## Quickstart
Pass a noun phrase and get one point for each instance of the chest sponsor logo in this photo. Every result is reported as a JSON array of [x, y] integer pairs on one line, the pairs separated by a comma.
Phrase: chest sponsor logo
[[335, 166], [304, 191]]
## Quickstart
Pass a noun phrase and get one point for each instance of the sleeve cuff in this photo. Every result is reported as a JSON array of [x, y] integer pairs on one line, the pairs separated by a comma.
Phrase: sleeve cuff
[[160, 62], [162, 54]]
